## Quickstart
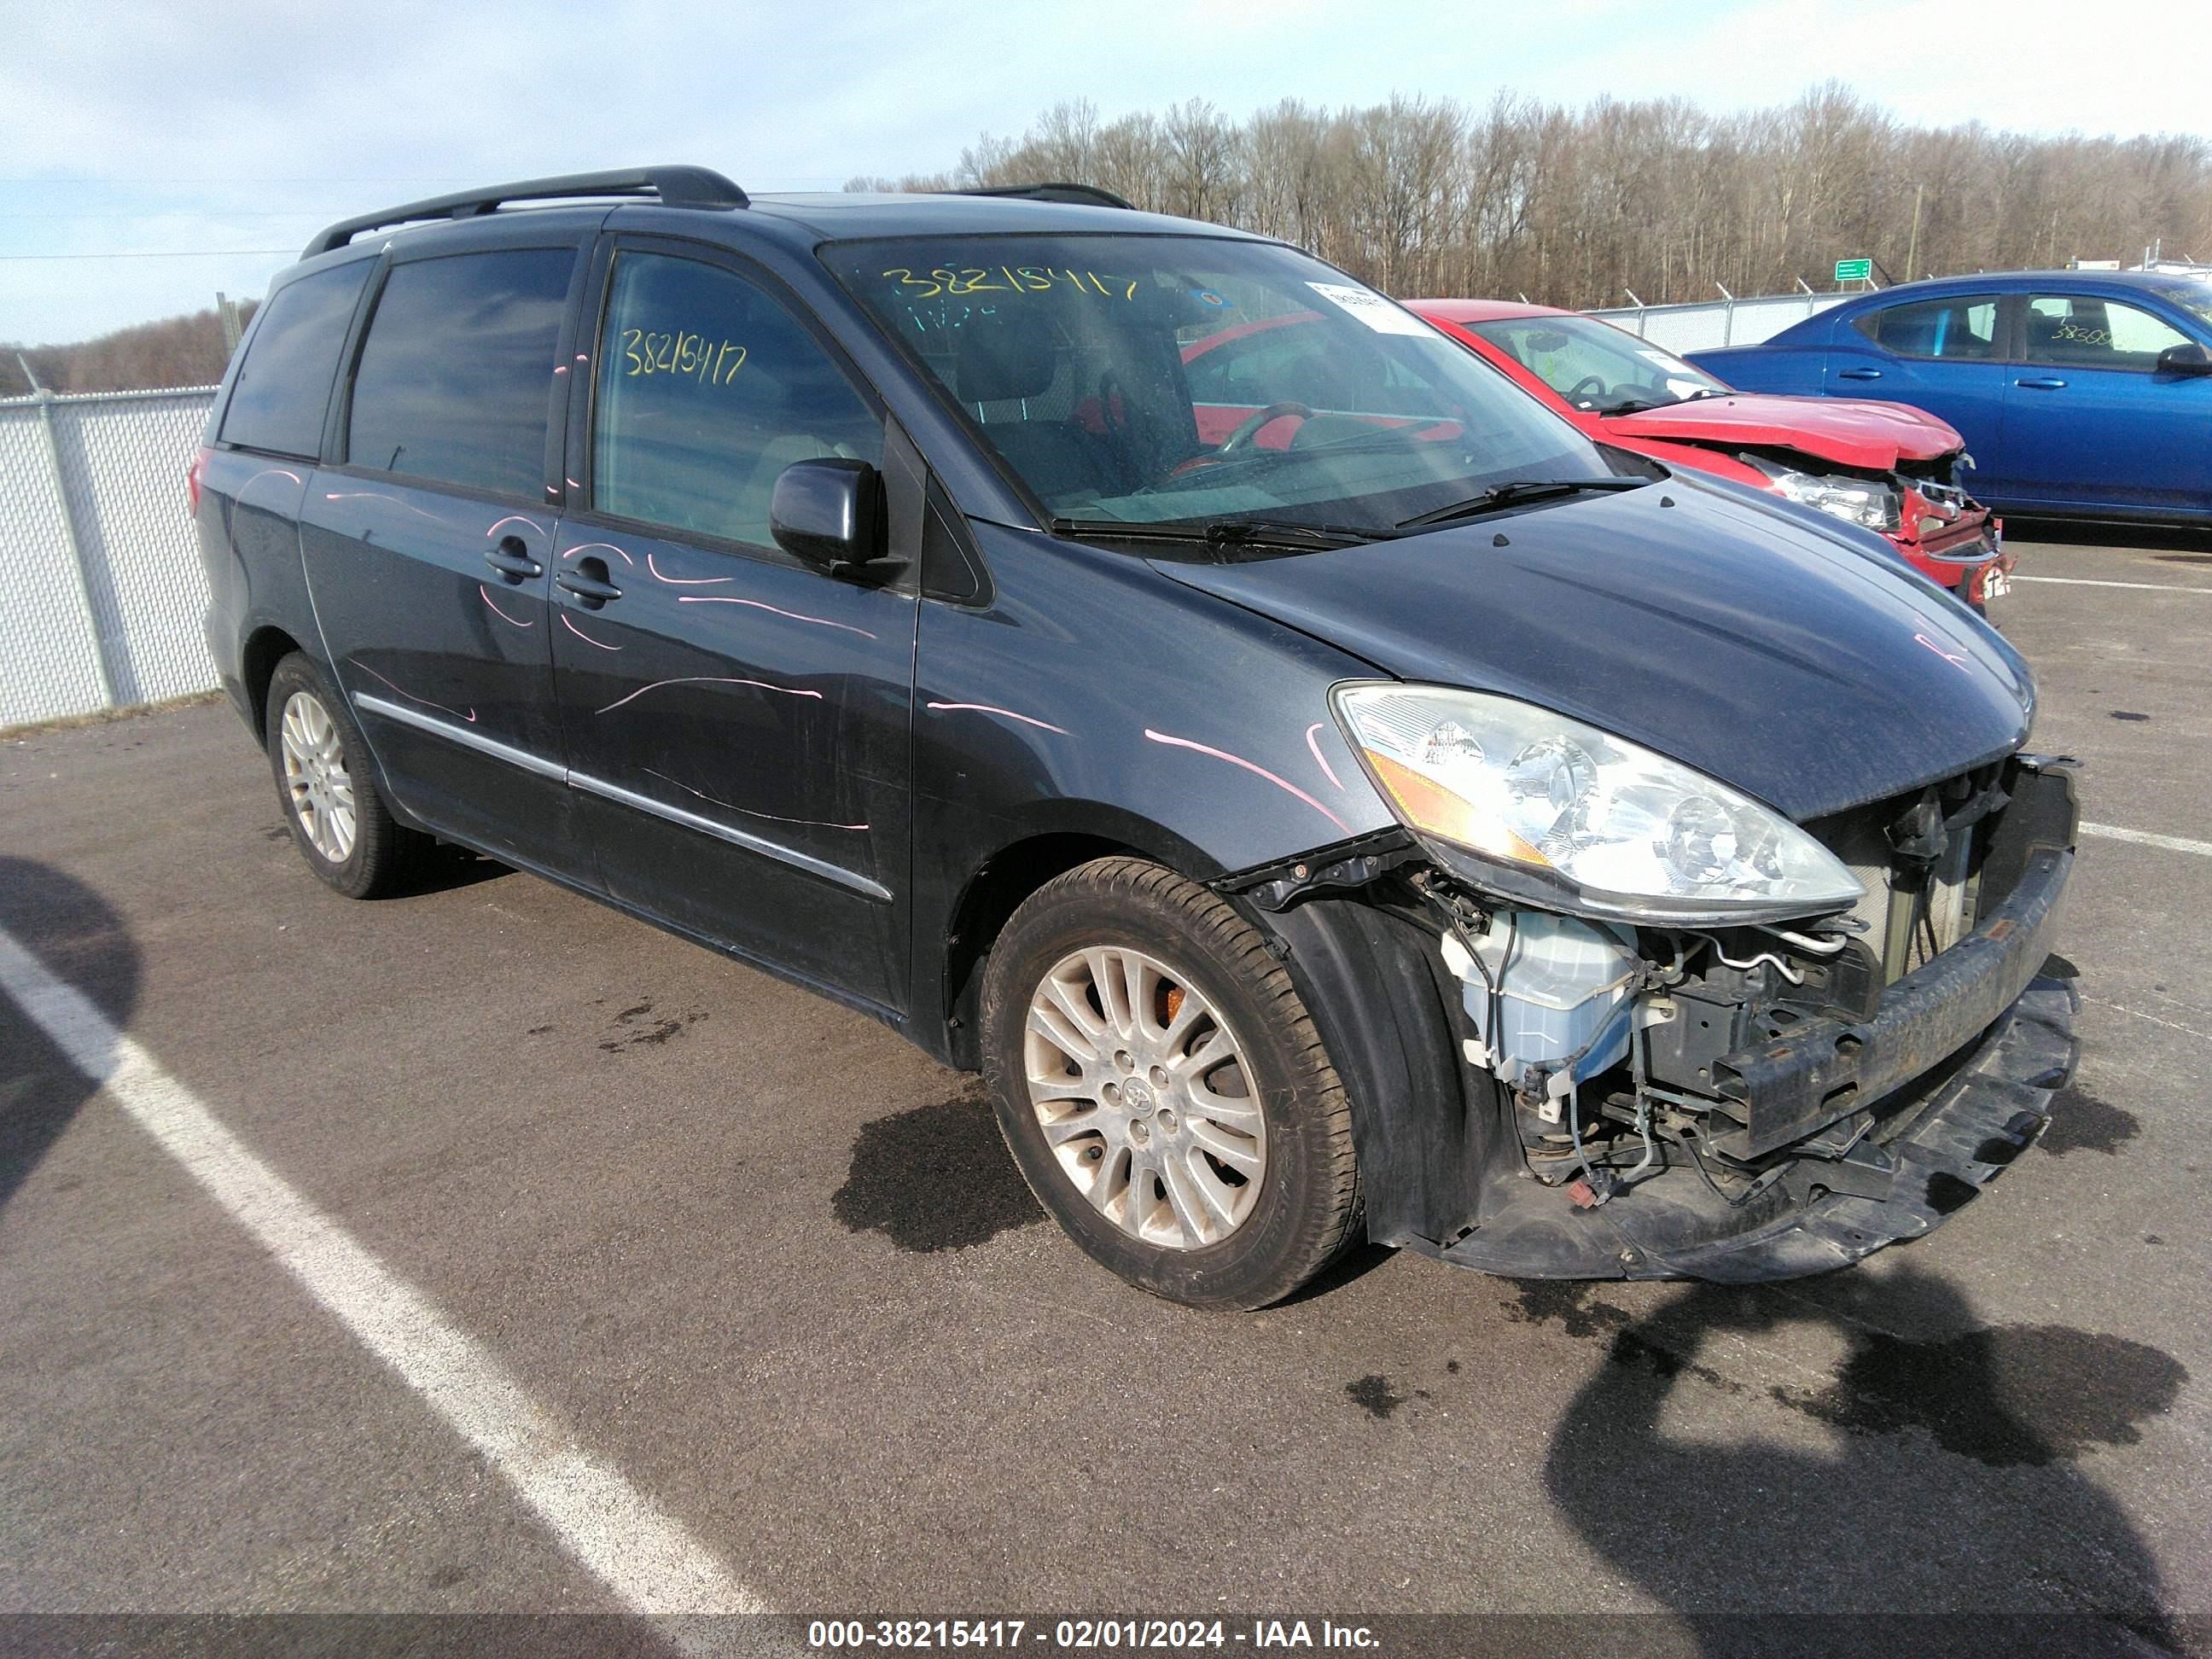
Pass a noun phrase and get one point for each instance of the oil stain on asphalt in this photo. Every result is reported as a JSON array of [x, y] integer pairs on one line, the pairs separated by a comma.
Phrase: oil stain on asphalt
[[1378, 1397], [2081, 1122], [1375, 1396], [934, 1178], [635, 1030]]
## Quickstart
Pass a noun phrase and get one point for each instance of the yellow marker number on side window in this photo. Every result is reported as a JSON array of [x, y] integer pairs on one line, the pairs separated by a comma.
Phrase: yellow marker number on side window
[[710, 362]]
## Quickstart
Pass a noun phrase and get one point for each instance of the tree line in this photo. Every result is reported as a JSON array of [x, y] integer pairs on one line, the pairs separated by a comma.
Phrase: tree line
[[1576, 206], [176, 351], [1580, 206]]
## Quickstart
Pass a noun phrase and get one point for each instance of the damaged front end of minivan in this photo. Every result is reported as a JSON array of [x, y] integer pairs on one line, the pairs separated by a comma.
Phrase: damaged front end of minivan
[[1603, 1016]]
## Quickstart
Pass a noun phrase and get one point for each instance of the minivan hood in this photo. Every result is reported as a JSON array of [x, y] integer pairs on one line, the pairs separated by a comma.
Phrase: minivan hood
[[1791, 663], [1848, 431]]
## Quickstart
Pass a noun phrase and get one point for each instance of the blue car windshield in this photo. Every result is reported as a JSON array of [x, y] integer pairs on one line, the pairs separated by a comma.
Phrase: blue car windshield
[[2192, 295], [1171, 379]]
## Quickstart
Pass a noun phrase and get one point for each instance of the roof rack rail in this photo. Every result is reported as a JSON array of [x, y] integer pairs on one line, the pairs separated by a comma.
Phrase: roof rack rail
[[1079, 194], [673, 187]]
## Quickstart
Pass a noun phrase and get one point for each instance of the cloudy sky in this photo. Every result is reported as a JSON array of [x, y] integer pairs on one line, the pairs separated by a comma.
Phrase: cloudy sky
[[209, 142]]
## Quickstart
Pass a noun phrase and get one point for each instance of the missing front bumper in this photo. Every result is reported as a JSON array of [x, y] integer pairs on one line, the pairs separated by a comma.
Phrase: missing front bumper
[[1950, 1142]]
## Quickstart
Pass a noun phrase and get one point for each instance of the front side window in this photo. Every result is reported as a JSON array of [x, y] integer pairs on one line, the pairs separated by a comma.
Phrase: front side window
[[2087, 330], [707, 387], [1963, 327], [284, 387], [456, 377], [1595, 366], [1167, 378]]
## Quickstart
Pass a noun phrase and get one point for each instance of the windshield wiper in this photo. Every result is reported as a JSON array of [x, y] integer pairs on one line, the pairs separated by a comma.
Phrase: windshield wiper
[[1516, 490], [1222, 532]]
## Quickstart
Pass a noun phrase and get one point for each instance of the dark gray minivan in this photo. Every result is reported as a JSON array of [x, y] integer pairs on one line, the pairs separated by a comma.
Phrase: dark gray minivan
[[1326, 795]]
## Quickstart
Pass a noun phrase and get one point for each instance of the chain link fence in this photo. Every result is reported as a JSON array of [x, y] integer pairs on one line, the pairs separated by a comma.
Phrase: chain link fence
[[1708, 324], [102, 597]]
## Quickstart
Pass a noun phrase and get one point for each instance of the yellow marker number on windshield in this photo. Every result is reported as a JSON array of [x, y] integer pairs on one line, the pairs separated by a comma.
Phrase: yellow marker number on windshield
[[1017, 279]]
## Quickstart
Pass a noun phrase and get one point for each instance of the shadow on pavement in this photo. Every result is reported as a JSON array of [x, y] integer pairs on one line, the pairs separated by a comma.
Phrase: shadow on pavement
[[2182, 544], [71, 930], [446, 867], [1949, 1481]]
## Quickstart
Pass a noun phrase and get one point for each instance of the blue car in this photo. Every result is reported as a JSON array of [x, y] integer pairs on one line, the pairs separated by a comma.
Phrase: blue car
[[2080, 393]]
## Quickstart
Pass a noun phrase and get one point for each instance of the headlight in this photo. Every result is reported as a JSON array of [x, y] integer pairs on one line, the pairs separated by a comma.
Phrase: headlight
[[1856, 501], [1580, 820]]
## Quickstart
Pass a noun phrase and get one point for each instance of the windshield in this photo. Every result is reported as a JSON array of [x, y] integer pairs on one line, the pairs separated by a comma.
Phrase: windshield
[[2192, 295], [1183, 380], [1595, 366]]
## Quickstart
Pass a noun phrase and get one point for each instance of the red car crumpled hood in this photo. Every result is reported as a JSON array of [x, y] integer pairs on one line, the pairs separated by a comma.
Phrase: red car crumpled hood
[[1850, 432]]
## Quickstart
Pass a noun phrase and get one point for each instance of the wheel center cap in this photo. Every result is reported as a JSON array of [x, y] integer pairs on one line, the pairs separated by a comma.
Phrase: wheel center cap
[[1136, 1097]]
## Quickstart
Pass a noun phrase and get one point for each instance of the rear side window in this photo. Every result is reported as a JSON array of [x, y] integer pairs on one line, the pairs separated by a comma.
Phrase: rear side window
[[284, 387], [708, 389], [1963, 327], [456, 376]]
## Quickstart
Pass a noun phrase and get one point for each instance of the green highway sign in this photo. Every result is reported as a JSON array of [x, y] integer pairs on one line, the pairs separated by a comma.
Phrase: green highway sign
[[1854, 270]]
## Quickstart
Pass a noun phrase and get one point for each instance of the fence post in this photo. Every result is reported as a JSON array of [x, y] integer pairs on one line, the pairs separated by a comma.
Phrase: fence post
[[101, 649]]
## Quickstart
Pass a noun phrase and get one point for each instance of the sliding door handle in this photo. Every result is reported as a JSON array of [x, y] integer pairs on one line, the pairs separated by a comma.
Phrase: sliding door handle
[[588, 582]]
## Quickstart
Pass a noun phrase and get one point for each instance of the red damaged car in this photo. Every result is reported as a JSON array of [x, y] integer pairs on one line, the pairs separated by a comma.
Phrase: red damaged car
[[1885, 466]]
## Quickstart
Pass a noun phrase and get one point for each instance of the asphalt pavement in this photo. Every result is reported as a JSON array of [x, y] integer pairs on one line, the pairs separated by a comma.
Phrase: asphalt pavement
[[754, 1265]]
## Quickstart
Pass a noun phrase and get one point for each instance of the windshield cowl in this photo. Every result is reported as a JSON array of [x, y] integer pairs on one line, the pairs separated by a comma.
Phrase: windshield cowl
[[1220, 534]]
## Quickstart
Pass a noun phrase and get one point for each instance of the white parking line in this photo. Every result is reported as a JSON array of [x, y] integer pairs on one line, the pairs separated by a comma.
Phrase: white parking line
[[2145, 838], [2087, 581], [640, 1553]]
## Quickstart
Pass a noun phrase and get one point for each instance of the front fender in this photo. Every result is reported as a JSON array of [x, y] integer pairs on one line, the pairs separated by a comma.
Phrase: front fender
[[1093, 697]]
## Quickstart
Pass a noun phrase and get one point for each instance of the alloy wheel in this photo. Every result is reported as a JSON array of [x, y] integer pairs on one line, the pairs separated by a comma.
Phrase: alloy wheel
[[1145, 1097], [316, 781]]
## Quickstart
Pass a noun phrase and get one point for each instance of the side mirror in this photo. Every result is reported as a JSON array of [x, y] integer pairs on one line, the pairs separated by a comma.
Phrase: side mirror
[[2188, 358], [829, 513]]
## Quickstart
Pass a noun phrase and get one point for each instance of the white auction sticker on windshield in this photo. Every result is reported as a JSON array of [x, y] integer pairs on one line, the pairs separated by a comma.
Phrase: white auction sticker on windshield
[[1370, 308]]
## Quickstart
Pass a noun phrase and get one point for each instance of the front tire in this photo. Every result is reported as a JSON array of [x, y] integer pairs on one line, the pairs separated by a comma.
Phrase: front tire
[[1164, 1089], [325, 782]]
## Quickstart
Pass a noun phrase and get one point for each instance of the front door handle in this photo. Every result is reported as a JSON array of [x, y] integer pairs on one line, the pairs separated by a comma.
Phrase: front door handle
[[512, 561], [1858, 374], [2045, 383], [588, 582]]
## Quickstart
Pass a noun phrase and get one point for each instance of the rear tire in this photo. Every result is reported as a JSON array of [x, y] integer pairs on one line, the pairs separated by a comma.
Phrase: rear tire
[[1164, 1089], [327, 784]]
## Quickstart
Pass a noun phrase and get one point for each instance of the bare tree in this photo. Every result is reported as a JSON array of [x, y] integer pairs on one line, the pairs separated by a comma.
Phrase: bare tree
[[1579, 205]]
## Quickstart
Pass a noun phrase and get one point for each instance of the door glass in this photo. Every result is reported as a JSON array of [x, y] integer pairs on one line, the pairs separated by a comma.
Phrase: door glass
[[2086, 330], [1965, 326], [708, 387], [456, 377]]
